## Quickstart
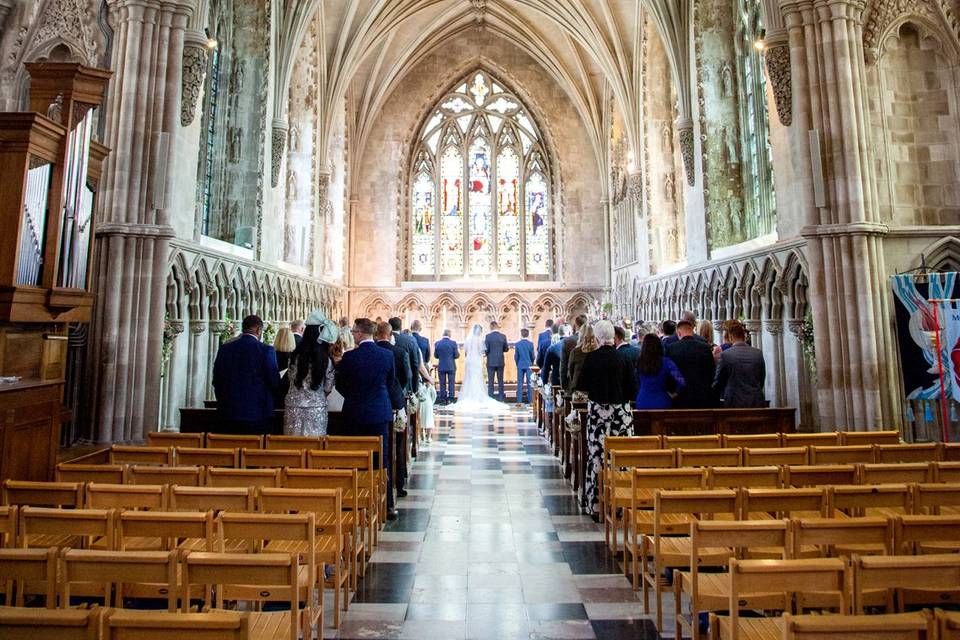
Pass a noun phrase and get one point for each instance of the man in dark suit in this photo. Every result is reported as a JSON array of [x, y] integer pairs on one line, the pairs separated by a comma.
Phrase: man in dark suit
[[297, 327], [422, 342], [668, 334], [446, 352], [569, 344], [624, 348], [401, 364], [495, 345], [523, 356], [694, 358], [366, 379], [741, 372], [543, 342], [245, 377], [408, 344]]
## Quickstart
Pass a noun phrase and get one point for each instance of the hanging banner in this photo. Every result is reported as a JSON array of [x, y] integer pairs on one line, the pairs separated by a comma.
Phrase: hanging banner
[[928, 319]]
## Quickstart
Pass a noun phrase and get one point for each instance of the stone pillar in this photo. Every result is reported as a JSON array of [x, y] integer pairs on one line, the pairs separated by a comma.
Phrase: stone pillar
[[133, 237], [213, 345], [855, 374], [171, 383], [197, 375], [773, 354]]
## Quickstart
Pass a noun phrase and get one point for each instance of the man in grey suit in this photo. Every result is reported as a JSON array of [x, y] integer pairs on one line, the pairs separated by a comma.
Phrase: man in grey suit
[[741, 372], [495, 345]]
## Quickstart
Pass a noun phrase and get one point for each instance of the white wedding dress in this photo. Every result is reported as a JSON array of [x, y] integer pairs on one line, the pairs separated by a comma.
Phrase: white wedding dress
[[473, 396]]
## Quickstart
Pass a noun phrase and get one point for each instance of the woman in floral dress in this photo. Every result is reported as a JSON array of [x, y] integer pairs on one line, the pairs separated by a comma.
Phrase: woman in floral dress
[[311, 379]]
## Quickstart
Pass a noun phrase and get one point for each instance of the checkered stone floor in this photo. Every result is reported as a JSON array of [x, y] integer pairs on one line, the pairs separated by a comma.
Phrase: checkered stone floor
[[490, 545]]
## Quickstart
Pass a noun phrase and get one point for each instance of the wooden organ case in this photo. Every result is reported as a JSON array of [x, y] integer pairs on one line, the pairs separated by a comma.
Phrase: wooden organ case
[[50, 168]]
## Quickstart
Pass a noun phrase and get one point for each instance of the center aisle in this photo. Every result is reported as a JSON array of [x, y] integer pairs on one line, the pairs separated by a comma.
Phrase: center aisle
[[489, 545]]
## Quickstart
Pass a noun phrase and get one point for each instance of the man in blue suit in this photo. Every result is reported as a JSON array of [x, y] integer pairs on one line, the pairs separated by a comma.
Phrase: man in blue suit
[[245, 377], [523, 356], [366, 379], [446, 352], [422, 342], [543, 343], [495, 345]]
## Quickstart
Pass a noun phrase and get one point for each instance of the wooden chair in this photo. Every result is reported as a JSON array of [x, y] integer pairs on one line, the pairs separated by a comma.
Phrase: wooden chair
[[634, 443], [638, 515], [950, 451], [174, 439], [753, 456], [923, 534], [884, 500], [17, 623], [836, 537], [899, 453], [353, 518], [151, 625], [107, 473], [710, 592], [123, 454], [668, 548], [907, 472], [326, 505], [165, 530], [230, 441], [948, 625], [304, 443], [132, 574], [708, 457], [374, 445], [271, 458], [753, 440], [29, 570], [77, 528], [294, 534], [182, 476], [819, 475], [208, 457], [811, 439], [230, 576], [895, 626], [617, 477], [927, 580], [822, 455], [869, 437], [817, 575], [692, 442], [126, 496], [211, 499], [43, 494], [372, 496], [243, 477], [9, 516], [937, 499], [737, 477], [946, 472]]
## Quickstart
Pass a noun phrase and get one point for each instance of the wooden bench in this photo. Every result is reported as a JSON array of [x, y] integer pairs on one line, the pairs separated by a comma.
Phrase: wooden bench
[[694, 422]]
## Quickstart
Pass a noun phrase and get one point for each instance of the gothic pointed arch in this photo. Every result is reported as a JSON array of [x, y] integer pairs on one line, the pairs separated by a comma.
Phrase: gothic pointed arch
[[445, 310]]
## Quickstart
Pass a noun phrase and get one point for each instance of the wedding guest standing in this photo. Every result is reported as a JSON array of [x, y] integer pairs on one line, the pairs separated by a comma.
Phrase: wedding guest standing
[[694, 358], [346, 336], [624, 348], [296, 328], [658, 377], [422, 342], [569, 344], [245, 377], [586, 344], [365, 379], [447, 353], [544, 341], [610, 384], [523, 357], [741, 372], [386, 339], [311, 376], [495, 345], [284, 344]]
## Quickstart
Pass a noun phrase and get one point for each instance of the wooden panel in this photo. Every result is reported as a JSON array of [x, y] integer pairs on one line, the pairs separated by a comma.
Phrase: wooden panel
[[691, 422], [30, 416]]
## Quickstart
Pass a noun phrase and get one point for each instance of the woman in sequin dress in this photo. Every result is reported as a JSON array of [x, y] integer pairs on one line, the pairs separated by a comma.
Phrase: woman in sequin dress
[[311, 379]]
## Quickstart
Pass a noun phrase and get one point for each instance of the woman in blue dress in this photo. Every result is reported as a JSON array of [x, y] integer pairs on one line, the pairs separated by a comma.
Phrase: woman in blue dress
[[658, 377]]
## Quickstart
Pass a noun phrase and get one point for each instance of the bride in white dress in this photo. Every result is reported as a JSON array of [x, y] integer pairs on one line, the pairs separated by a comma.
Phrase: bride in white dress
[[473, 396]]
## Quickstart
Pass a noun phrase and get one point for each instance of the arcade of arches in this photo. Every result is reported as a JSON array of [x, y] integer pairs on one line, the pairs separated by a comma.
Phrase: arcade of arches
[[457, 161]]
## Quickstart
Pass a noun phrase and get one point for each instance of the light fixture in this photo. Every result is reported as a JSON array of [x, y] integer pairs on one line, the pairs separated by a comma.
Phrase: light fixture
[[211, 41], [759, 45]]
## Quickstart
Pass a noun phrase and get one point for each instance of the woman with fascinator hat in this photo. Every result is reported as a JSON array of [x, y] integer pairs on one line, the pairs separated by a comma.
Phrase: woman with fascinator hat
[[311, 377]]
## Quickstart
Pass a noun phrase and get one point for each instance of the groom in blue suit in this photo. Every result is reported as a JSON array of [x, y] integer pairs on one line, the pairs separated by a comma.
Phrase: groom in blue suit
[[446, 352], [495, 345], [523, 356]]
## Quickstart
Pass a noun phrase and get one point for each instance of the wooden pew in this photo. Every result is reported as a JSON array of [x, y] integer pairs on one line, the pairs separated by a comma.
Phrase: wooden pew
[[692, 422]]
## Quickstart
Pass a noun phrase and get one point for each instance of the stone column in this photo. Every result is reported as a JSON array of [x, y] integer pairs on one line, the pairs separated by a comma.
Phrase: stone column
[[855, 375], [197, 375], [171, 383], [776, 372], [213, 345], [133, 237]]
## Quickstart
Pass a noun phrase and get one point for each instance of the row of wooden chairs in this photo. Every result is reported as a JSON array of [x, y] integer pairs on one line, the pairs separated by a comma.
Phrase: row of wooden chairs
[[229, 441], [188, 578], [232, 458], [112, 624], [762, 440], [340, 541]]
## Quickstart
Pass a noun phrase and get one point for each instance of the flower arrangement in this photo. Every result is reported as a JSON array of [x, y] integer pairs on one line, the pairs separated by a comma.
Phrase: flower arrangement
[[169, 335], [806, 339], [230, 329], [269, 333]]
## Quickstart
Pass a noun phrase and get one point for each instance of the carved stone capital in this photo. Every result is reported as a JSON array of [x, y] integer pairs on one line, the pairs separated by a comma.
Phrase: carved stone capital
[[753, 326], [635, 187], [685, 136], [176, 327], [217, 326], [778, 68], [773, 327], [198, 327], [195, 54], [278, 144], [718, 325], [796, 328]]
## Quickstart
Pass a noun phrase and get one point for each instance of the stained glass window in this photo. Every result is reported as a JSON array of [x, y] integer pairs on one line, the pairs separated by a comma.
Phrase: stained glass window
[[480, 203]]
